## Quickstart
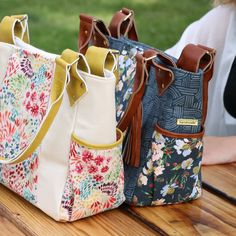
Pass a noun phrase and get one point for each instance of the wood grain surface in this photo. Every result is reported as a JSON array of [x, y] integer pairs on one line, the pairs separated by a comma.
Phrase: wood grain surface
[[213, 214], [8, 229], [221, 179], [210, 215], [32, 221]]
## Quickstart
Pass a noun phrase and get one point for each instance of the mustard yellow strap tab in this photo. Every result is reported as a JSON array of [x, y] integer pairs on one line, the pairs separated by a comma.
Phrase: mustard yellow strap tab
[[100, 59], [12, 26], [76, 86]]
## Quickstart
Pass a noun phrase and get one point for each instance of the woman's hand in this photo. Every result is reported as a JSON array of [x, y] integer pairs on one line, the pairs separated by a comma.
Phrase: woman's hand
[[219, 150]]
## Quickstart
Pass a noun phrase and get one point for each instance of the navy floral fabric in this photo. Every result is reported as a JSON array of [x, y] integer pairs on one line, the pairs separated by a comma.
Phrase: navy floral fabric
[[171, 173], [124, 87], [175, 177]]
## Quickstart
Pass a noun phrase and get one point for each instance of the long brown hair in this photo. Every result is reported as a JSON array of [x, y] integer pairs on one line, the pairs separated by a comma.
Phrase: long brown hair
[[218, 2]]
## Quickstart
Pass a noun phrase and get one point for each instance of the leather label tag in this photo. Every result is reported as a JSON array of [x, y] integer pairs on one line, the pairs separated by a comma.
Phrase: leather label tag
[[192, 122]]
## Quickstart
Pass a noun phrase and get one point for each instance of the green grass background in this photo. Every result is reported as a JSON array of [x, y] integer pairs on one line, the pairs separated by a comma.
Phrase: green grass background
[[54, 24]]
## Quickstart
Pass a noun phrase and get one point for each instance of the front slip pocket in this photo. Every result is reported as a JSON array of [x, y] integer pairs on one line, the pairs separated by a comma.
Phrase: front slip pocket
[[95, 181], [172, 173]]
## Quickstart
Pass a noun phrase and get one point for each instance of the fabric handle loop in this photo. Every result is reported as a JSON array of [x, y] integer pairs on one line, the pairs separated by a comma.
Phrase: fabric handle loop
[[14, 26]]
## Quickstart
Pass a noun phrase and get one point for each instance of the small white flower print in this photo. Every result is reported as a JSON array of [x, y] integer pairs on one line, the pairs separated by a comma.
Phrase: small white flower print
[[157, 151], [158, 170], [142, 179], [158, 202], [187, 164], [120, 85], [168, 189], [183, 147]]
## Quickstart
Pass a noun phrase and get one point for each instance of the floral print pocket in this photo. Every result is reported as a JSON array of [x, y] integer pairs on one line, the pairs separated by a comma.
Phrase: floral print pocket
[[95, 181], [172, 172]]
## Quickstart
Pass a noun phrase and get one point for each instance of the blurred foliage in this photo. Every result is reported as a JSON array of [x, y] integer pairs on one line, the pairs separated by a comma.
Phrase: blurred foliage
[[54, 24]]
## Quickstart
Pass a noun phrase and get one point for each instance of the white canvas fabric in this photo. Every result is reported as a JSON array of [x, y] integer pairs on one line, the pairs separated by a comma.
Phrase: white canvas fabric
[[100, 100], [216, 29]]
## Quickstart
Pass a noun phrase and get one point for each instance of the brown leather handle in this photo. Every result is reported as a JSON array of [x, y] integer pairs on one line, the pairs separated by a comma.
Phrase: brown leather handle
[[138, 91], [92, 31], [195, 57], [132, 119], [123, 23]]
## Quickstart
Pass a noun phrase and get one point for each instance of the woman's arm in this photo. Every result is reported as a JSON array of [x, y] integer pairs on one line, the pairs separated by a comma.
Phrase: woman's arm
[[219, 150]]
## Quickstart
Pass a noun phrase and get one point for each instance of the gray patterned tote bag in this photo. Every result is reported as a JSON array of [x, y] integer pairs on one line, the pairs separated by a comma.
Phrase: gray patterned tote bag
[[161, 105]]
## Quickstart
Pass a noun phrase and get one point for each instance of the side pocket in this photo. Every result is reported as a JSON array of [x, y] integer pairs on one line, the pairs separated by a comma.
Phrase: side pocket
[[174, 166], [95, 180]]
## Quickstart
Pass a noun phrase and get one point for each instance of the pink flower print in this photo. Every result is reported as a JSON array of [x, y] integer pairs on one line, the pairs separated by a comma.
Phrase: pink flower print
[[98, 160], [33, 96], [48, 75], [35, 110], [27, 94], [28, 106], [42, 97], [109, 159], [92, 169], [32, 86], [7, 131], [73, 151], [12, 67], [78, 168], [95, 207], [77, 191], [104, 169], [109, 203], [42, 108], [98, 178], [87, 156], [26, 67], [35, 179], [26, 53]]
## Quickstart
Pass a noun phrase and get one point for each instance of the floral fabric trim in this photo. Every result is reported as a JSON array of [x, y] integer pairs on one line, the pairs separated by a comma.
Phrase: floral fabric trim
[[24, 98], [95, 182], [124, 88], [172, 173], [22, 178]]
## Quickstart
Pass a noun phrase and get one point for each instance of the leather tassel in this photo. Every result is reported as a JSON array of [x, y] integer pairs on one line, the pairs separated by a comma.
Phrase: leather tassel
[[136, 137]]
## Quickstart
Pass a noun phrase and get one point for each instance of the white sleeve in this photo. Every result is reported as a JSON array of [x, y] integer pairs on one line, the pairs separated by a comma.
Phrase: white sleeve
[[190, 35]]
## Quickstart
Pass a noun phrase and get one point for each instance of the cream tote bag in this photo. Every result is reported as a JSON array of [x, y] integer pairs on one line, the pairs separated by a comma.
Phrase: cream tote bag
[[59, 146]]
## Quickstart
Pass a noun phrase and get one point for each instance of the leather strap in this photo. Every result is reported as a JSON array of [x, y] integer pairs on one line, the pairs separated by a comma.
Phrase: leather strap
[[14, 26], [123, 23], [92, 31], [132, 119], [195, 57], [164, 76], [138, 91]]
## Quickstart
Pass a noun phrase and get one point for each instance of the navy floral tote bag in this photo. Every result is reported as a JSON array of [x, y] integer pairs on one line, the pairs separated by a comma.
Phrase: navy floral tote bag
[[161, 105]]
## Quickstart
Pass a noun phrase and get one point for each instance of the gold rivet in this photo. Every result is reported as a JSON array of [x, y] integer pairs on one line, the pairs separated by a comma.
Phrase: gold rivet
[[105, 43], [162, 85], [94, 38], [86, 32], [169, 74]]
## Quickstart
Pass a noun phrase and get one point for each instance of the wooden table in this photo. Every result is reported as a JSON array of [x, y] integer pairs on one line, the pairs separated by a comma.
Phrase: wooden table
[[213, 214]]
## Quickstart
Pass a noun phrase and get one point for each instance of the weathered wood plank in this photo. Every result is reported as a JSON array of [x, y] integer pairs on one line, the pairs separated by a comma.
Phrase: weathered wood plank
[[221, 179], [8, 229], [32, 221], [210, 215]]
